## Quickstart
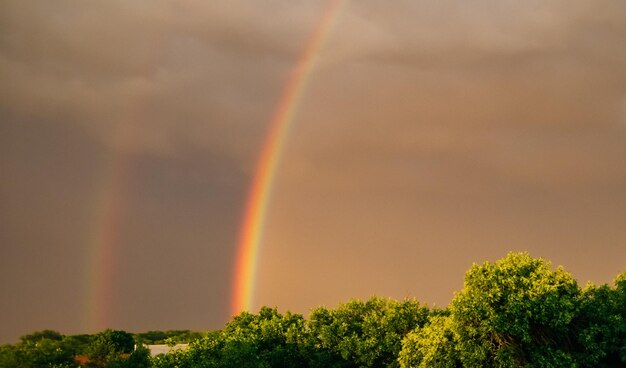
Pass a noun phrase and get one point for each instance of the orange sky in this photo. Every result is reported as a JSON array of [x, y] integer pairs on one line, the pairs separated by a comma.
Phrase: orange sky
[[430, 136]]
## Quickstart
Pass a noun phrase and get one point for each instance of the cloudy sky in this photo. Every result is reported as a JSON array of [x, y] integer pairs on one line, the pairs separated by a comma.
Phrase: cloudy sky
[[430, 135]]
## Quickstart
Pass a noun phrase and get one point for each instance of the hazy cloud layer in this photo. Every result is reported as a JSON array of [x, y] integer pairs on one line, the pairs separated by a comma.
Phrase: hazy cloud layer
[[430, 136]]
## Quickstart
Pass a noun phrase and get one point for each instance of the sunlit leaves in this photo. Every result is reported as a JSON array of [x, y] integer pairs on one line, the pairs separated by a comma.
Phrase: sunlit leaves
[[432, 346], [515, 312], [368, 334]]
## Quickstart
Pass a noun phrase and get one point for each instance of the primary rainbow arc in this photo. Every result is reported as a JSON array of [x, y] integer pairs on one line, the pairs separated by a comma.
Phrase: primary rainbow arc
[[259, 197]]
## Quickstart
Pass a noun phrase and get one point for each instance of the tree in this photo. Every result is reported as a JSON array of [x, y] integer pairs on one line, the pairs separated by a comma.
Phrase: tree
[[515, 312], [77, 344], [620, 295], [152, 337], [275, 338], [37, 352], [40, 335], [9, 357], [109, 346], [159, 337], [432, 346], [267, 339], [139, 358], [367, 334], [601, 325]]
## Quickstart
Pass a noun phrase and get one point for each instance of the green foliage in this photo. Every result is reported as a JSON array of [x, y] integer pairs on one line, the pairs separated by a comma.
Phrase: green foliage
[[432, 346], [77, 344], [152, 337], [601, 326], [160, 337], [515, 312], [178, 359], [9, 357], [620, 303], [109, 346], [36, 350], [367, 334], [273, 338], [266, 339], [139, 358], [41, 335]]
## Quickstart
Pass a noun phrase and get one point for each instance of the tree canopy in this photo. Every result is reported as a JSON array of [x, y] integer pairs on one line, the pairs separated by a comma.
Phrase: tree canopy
[[516, 312]]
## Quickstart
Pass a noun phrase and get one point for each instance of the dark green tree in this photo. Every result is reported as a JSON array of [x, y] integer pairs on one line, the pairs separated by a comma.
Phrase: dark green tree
[[34, 353], [139, 358], [10, 357], [601, 325], [77, 344], [109, 346], [159, 337], [620, 295], [40, 335]]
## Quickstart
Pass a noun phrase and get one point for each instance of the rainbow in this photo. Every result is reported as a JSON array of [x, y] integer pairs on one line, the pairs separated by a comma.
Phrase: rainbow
[[259, 197], [110, 205], [104, 245]]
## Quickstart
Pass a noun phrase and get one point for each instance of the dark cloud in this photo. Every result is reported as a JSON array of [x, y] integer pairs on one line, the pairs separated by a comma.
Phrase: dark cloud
[[429, 136]]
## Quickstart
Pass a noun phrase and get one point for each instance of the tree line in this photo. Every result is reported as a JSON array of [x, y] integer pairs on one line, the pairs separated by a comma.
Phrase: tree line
[[108, 348], [515, 312]]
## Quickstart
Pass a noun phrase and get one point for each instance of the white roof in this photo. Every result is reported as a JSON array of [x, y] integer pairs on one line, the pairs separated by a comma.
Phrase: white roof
[[164, 349]]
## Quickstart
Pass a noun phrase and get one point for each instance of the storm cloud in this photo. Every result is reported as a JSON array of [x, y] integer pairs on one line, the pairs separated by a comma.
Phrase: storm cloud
[[430, 136]]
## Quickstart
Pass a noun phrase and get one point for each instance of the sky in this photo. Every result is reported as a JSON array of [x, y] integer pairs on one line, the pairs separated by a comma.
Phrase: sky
[[428, 136]]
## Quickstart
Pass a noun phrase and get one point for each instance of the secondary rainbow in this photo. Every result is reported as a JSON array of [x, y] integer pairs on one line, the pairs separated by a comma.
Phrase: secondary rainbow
[[109, 208], [259, 196], [111, 200]]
